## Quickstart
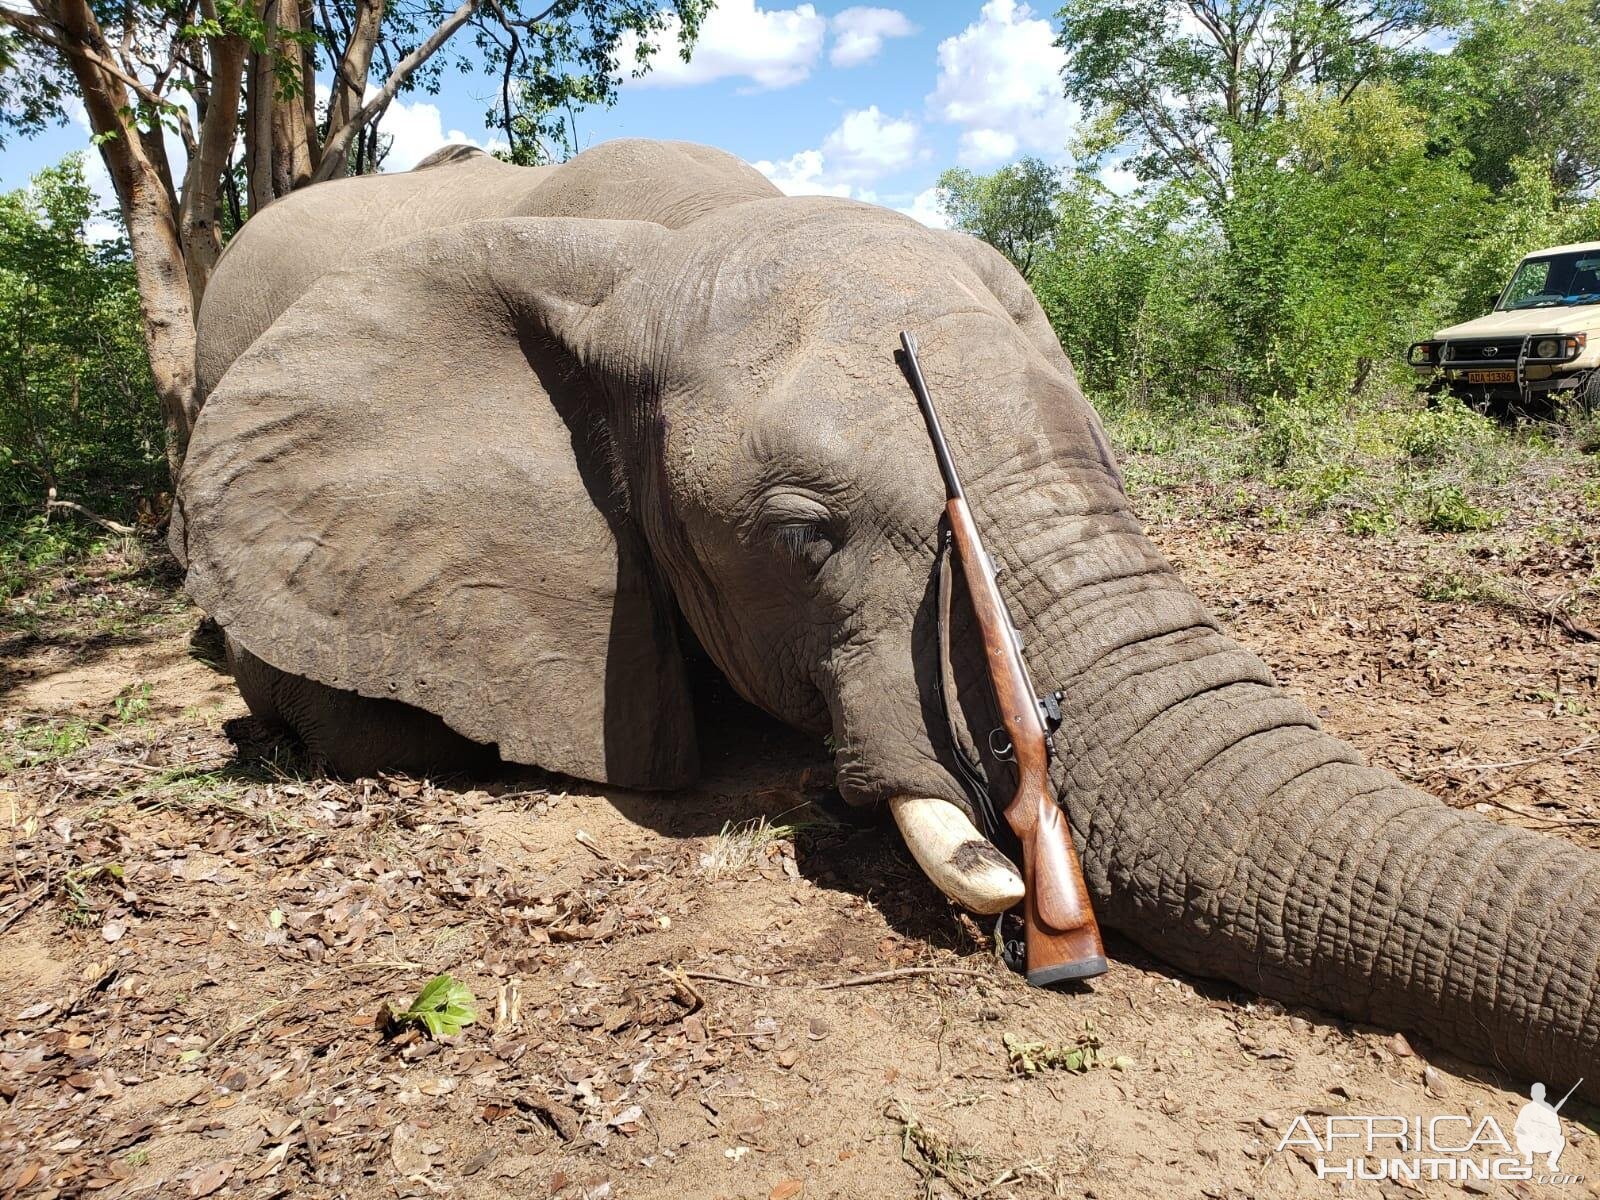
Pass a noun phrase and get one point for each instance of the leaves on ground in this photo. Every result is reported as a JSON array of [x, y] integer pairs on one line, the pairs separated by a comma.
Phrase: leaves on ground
[[1030, 1058], [443, 1007]]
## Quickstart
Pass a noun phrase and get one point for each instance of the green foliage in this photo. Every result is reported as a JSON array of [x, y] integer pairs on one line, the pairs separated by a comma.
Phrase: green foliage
[[1345, 225], [1013, 209], [1448, 510], [132, 703], [77, 409], [1178, 84], [443, 1007], [1339, 230], [1318, 191], [1130, 288], [1521, 92], [75, 884], [31, 745], [572, 57], [1034, 1058]]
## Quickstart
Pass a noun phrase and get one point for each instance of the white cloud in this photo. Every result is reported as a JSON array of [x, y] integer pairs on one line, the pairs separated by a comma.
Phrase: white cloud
[[863, 148], [1121, 181], [1000, 78], [924, 207], [859, 33], [773, 47], [982, 146], [101, 227], [79, 114], [868, 145], [418, 130], [802, 174]]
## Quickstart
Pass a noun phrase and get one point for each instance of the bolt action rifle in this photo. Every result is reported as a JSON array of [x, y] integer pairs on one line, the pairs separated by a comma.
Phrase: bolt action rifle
[[1063, 939]]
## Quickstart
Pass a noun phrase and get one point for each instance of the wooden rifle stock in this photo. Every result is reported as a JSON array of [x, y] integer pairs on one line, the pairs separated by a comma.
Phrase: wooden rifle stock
[[1063, 938]]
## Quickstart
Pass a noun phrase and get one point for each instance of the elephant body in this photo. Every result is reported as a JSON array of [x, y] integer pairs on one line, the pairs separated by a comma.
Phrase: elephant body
[[482, 441]]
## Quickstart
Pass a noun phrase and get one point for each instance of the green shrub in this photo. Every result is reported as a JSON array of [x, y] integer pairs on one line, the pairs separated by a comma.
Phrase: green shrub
[[1371, 522], [77, 408], [1436, 435], [1447, 509]]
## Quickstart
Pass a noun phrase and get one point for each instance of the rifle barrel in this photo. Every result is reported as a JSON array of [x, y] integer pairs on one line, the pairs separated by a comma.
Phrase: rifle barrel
[[941, 448]]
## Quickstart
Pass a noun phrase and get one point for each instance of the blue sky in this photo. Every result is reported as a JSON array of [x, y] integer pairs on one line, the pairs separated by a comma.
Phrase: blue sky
[[867, 101]]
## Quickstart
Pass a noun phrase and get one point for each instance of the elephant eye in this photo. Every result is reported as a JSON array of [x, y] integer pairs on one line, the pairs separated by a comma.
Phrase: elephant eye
[[801, 528], [804, 541]]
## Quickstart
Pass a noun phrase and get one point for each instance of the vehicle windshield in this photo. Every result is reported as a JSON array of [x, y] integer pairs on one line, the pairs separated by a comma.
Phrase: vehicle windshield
[[1554, 281]]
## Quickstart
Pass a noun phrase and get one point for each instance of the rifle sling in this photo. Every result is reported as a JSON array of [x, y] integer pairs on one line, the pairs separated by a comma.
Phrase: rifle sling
[[968, 769]]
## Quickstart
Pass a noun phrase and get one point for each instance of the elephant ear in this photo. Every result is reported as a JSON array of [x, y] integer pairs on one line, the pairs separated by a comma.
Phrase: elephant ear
[[404, 489]]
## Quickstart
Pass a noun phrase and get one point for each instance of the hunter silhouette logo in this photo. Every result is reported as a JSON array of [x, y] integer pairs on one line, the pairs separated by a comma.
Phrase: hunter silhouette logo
[[1538, 1128], [1457, 1147]]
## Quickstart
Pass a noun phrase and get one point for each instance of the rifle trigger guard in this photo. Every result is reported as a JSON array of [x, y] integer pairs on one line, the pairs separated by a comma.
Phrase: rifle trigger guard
[[1002, 752]]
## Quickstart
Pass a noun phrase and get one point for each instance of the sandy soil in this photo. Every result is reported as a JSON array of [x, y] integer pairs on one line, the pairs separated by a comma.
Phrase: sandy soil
[[730, 993]]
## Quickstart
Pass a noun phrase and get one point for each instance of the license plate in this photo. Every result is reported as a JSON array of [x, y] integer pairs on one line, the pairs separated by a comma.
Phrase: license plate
[[1491, 376]]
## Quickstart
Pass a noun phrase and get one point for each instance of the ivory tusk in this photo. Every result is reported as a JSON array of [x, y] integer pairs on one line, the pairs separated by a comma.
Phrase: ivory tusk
[[962, 863]]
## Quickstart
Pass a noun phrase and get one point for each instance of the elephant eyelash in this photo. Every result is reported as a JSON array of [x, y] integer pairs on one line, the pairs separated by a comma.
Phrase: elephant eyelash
[[801, 540]]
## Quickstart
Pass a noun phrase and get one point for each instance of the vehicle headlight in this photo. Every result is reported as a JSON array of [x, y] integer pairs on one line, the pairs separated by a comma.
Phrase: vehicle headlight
[[1448, 352], [1547, 348]]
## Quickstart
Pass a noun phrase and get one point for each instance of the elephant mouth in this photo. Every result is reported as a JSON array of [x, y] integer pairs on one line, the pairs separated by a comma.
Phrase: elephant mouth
[[961, 862]]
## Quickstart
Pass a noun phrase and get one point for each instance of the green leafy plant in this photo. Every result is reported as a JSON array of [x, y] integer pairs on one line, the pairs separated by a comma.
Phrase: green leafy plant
[[132, 703], [442, 1008], [1448, 510], [1032, 1058], [1371, 522], [75, 886], [44, 742]]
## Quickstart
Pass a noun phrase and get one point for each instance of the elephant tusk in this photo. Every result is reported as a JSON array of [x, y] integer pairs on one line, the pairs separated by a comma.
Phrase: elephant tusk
[[962, 863]]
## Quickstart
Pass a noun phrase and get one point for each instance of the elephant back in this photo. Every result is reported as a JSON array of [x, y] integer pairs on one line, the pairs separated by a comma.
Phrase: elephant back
[[286, 247], [673, 184]]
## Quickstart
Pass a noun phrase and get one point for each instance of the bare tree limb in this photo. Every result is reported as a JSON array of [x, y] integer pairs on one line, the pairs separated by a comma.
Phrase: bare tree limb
[[116, 527], [339, 143]]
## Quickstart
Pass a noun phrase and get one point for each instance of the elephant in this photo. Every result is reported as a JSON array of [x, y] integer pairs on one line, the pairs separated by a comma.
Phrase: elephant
[[488, 454]]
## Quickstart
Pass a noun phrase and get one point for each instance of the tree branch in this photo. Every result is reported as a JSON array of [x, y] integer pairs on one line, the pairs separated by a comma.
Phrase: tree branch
[[116, 527], [339, 143], [41, 30]]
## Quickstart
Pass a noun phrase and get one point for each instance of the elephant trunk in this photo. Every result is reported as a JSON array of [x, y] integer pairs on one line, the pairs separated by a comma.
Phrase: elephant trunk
[[1225, 832]]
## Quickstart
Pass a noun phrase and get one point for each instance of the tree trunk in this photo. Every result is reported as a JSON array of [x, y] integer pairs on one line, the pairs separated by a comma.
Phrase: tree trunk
[[202, 190], [350, 85], [1225, 832], [280, 153], [148, 207]]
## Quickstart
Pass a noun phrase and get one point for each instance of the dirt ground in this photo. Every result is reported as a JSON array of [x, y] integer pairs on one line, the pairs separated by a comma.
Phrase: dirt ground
[[731, 993]]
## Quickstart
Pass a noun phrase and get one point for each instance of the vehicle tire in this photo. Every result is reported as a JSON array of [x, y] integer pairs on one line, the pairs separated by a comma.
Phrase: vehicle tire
[[1587, 395]]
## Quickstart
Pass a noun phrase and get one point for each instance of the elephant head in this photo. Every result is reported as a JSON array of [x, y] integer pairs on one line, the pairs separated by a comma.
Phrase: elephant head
[[485, 470]]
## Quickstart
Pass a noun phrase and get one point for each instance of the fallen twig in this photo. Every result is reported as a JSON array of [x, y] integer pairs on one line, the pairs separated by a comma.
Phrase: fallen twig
[[1583, 747], [730, 979], [247, 1024], [900, 973], [1552, 821], [834, 985], [1575, 631], [116, 527], [25, 904]]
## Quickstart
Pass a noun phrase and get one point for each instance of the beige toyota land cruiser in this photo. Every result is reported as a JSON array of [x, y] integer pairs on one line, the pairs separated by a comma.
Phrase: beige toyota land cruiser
[[1539, 347]]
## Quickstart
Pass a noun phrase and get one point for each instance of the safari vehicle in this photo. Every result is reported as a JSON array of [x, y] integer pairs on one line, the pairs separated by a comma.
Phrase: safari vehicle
[[1538, 348]]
